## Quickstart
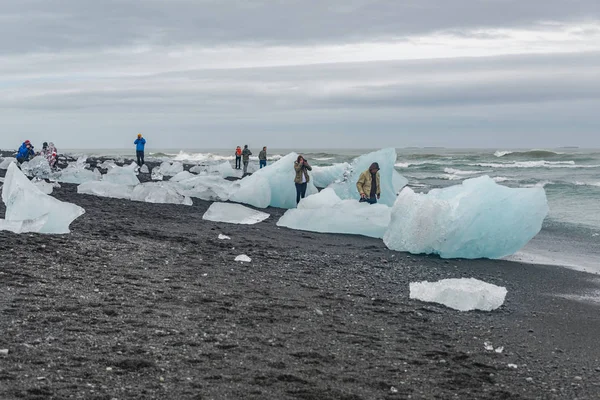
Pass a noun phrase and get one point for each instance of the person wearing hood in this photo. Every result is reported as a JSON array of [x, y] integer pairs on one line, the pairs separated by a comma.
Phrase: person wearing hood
[[369, 185], [25, 152], [246, 153], [140, 144]]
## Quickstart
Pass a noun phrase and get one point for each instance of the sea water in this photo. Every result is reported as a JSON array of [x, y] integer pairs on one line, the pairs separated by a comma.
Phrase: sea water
[[570, 176]]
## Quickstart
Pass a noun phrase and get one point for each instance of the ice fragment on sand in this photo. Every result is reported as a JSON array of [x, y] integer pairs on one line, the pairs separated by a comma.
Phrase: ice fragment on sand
[[24, 201], [160, 192], [43, 186], [168, 168], [326, 212], [38, 167], [234, 214], [107, 164], [271, 186], [223, 169], [324, 176], [6, 162], [144, 169], [122, 175], [513, 366], [224, 237], [106, 189], [477, 219], [211, 188], [243, 258], [464, 294], [156, 174], [181, 176], [77, 173], [391, 180]]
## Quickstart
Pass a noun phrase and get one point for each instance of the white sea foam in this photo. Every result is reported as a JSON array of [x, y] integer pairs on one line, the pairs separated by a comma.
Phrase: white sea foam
[[453, 171], [324, 158], [595, 184], [534, 164], [502, 153], [499, 179]]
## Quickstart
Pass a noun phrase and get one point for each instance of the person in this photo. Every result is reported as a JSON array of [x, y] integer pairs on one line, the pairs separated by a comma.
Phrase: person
[[262, 157], [52, 155], [301, 167], [238, 157], [369, 185], [25, 152], [44, 151], [246, 155], [140, 143]]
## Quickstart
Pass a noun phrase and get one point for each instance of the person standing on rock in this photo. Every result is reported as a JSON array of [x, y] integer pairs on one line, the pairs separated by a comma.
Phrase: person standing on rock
[[369, 185], [301, 167], [238, 158], [140, 144], [246, 158], [262, 157]]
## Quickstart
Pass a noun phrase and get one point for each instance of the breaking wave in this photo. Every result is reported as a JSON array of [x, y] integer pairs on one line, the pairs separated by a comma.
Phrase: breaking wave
[[528, 154]]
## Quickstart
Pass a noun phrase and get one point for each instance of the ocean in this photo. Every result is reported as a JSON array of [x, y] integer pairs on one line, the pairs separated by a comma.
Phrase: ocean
[[571, 177]]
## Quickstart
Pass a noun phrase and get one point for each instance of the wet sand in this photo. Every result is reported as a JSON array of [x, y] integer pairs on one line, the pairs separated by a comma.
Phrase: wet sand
[[142, 301]]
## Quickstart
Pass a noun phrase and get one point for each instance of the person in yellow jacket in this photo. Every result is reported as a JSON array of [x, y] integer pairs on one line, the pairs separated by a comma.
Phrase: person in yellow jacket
[[369, 185]]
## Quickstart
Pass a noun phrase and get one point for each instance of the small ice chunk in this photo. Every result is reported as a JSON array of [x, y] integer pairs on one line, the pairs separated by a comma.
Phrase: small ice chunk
[[243, 258], [77, 173], [488, 346], [391, 181], [24, 201], [477, 219], [460, 294], [325, 212], [168, 168], [107, 164], [222, 169], [224, 237], [499, 350], [210, 188], [106, 189], [144, 169], [160, 192], [181, 176], [157, 174], [122, 176], [43, 186], [37, 167], [513, 366], [234, 214]]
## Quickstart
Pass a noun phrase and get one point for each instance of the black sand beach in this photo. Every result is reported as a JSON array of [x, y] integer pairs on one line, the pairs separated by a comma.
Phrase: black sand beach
[[142, 301]]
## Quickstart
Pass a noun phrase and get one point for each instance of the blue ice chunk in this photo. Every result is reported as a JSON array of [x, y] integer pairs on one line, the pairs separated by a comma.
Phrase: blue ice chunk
[[477, 219]]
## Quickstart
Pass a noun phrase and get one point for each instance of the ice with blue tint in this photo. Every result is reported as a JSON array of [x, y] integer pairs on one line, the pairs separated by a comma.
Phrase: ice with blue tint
[[391, 181], [325, 176], [28, 225], [234, 214], [37, 167], [106, 189], [477, 219], [466, 294], [122, 175], [271, 186], [25, 202], [325, 212]]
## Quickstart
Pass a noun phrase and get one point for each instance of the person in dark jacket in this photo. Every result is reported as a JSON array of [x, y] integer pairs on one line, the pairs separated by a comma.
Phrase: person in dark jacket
[[246, 158], [302, 178], [140, 144], [25, 152], [262, 157]]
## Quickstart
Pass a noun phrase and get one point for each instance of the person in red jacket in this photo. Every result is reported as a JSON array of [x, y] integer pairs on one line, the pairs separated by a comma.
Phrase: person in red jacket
[[238, 158]]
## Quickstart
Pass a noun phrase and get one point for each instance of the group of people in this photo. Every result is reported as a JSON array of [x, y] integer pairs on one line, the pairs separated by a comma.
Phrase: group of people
[[27, 152], [242, 157], [368, 185]]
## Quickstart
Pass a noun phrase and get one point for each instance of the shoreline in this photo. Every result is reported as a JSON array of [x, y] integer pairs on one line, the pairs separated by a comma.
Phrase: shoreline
[[143, 301]]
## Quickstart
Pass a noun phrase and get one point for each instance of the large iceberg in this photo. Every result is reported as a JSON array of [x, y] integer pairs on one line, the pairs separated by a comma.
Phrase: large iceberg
[[106, 189], [391, 181], [24, 201], [326, 212], [271, 186], [477, 219], [234, 214], [325, 176], [460, 294], [122, 175], [160, 192]]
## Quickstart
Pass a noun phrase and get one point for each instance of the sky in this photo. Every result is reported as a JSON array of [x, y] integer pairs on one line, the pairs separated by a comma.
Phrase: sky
[[300, 73]]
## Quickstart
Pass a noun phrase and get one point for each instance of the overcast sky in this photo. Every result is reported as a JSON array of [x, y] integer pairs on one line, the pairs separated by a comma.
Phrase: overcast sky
[[300, 73]]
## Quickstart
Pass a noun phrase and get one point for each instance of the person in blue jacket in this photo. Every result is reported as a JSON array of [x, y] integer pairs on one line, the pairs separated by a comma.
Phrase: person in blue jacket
[[140, 142], [25, 152]]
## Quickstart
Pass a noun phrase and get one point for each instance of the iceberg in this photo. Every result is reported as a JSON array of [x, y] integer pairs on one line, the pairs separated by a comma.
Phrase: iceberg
[[24, 201], [325, 176], [6, 162], [108, 164], [156, 174], [106, 189], [233, 214], [168, 168], [160, 192], [37, 167], [391, 181], [271, 186], [144, 169], [460, 294], [325, 212], [224, 169], [210, 188], [28, 225], [122, 175], [182, 176], [77, 173], [477, 219]]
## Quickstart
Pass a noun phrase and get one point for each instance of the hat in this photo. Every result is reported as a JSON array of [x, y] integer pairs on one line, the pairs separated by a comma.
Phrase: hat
[[139, 135], [374, 166], [27, 142]]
